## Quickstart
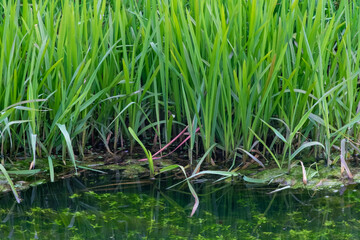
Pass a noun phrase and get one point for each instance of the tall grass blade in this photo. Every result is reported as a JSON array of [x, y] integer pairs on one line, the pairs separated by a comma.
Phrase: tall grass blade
[[191, 188], [10, 182], [147, 152], [51, 169], [66, 136]]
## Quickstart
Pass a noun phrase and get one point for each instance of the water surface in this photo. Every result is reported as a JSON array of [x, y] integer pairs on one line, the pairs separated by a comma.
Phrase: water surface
[[108, 207]]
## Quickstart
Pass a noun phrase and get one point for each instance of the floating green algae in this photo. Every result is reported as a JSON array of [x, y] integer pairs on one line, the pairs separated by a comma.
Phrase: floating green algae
[[101, 207]]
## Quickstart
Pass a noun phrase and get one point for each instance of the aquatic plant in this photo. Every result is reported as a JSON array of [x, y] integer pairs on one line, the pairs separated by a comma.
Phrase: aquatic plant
[[143, 210], [147, 153], [85, 71]]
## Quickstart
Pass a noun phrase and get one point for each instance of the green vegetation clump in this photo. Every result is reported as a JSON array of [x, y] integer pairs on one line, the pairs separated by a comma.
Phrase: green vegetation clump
[[267, 76], [241, 215]]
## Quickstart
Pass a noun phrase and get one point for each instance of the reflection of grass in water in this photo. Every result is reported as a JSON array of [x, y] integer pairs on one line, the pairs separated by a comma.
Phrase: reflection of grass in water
[[134, 216], [303, 234]]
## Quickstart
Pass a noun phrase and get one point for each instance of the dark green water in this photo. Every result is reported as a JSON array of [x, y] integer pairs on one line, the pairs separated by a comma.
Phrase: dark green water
[[84, 208]]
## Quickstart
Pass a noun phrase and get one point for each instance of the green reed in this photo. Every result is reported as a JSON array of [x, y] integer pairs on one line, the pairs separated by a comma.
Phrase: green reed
[[88, 70]]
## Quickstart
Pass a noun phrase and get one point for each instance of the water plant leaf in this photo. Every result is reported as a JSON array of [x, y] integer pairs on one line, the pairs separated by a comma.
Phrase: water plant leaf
[[168, 168], [277, 133], [24, 172], [303, 146], [254, 180], [191, 188], [66, 135], [91, 169], [252, 157], [303, 173], [264, 144], [10, 182], [342, 159], [51, 169], [221, 173], [33, 148], [356, 119], [147, 152], [279, 189], [197, 168]]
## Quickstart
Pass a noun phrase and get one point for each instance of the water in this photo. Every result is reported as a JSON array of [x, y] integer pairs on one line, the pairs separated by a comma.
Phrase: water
[[107, 207]]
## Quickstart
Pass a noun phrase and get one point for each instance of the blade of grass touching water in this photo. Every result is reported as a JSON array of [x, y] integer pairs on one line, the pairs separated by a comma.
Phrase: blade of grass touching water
[[197, 168], [33, 148], [91, 169], [279, 189], [68, 144], [24, 172], [191, 188], [10, 182], [51, 169], [147, 152], [304, 173], [342, 159]]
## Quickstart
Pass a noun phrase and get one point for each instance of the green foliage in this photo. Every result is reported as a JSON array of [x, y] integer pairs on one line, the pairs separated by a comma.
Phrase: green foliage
[[147, 153], [235, 69], [10, 182]]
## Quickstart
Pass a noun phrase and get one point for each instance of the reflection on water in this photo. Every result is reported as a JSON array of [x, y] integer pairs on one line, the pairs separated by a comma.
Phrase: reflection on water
[[105, 207]]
